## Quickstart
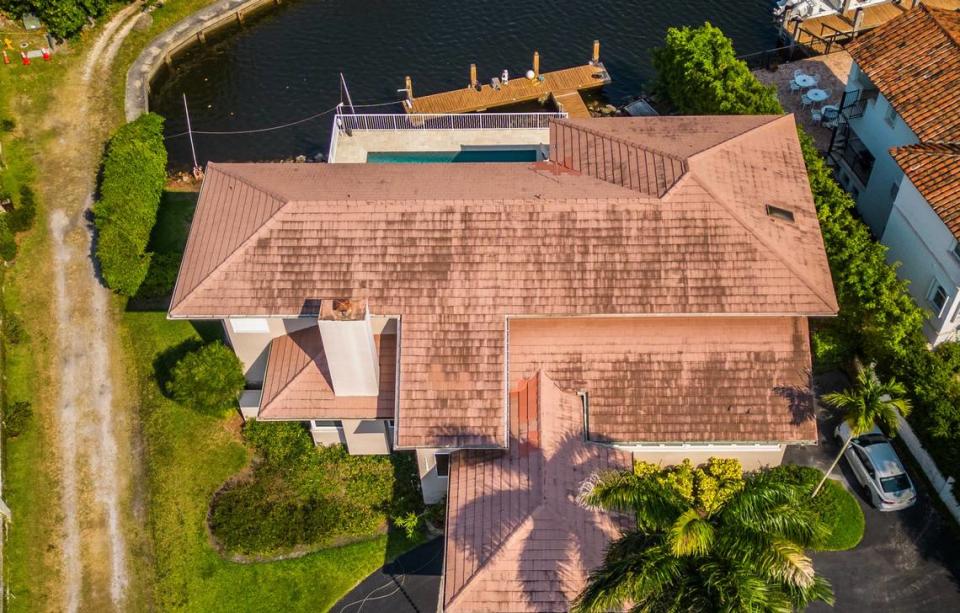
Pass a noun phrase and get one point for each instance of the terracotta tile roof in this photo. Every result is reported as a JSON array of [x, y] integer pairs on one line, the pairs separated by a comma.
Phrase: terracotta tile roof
[[516, 540], [673, 379], [297, 381], [455, 248], [914, 60], [934, 169]]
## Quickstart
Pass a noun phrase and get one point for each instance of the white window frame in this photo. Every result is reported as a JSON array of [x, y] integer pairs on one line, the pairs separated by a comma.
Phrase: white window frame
[[931, 296], [337, 425], [250, 325]]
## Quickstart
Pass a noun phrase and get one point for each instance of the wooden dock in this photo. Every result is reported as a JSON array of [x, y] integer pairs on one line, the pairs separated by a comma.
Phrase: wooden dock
[[563, 87], [818, 33]]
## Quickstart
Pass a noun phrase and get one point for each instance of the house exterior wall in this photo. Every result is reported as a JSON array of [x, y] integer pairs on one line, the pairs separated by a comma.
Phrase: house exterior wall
[[366, 436], [251, 347], [875, 200], [434, 486], [919, 240], [750, 458]]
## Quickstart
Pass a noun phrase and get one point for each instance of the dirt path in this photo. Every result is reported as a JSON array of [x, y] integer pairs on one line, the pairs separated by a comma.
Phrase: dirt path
[[95, 423]]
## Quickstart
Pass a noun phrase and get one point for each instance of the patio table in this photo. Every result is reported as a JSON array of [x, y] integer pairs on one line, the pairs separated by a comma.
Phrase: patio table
[[817, 95], [805, 80]]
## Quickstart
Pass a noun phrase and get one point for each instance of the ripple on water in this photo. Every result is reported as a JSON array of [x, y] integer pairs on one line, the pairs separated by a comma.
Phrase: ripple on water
[[284, 64]]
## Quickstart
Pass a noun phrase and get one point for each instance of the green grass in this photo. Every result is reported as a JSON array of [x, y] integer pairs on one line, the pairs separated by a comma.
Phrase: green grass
[[190, 455], [173, 221], [837, 507]]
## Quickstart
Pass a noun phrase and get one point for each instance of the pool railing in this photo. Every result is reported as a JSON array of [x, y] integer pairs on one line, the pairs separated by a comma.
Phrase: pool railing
[[465, 121]]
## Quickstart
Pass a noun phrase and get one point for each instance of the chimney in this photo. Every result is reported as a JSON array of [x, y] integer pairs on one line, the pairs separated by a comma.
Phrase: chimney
[[349, 346]]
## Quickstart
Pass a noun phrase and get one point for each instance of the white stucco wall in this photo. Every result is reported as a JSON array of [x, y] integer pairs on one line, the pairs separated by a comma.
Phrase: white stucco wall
[[750, 458], [434, 487], [366, 436], [919, 240], [875, 201]]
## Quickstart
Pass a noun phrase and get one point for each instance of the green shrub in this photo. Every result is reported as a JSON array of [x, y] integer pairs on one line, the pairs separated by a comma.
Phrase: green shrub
[[8, 244], [699, 73], [7, 124], [134, 171], [13, 330], [16, 418], [161, 275], [209, 379], [837, 507], [24, 214], [410, 523], [302, 496], [64, 18]]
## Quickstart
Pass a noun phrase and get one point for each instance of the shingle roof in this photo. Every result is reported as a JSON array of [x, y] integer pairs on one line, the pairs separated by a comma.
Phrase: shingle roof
[[297, 382], [934, 169], [516, 539], [914, 60], [669, 379], [455, 248]]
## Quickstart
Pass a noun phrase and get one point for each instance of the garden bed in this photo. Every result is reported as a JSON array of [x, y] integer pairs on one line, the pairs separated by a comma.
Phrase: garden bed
[[837, 507]]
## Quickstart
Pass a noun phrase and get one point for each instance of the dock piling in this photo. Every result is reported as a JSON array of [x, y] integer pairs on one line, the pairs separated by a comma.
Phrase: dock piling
[[596, 52], [536, 64], [408, 85], [473, 76]]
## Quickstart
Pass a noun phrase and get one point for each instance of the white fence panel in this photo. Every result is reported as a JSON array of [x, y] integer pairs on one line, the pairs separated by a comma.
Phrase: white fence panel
[[942, 485]]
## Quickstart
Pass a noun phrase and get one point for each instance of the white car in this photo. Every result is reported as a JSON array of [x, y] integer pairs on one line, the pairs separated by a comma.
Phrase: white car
[[878, 469]]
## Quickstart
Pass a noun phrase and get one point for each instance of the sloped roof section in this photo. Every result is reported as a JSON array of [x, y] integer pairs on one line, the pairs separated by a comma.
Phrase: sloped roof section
[[516, 539], [670, 379], [934, 169], [297, 383], [914, 60], [455, 248]]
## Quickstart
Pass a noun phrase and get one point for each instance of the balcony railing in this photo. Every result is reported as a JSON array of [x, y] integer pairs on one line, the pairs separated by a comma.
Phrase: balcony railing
[[466, 121], [854, 102]]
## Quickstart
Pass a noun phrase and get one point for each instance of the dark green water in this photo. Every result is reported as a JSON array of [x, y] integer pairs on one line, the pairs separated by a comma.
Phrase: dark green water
[[283, 65]]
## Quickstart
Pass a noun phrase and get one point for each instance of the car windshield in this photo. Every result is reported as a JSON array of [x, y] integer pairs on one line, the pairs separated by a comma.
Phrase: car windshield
[[897, 483], [871, 439]]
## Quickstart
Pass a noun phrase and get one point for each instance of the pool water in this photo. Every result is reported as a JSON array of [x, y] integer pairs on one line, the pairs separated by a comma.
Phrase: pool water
[[435, 157]]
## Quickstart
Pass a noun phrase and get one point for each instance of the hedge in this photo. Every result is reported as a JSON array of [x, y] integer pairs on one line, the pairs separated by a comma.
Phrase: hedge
[[62, 17], [209, 379], [134, 172], [878, 319], [302, 497]]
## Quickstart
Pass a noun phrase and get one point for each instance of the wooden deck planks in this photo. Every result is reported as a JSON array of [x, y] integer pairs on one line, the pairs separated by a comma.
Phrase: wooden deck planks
[[572, 104], [873, 16], [559, 82]]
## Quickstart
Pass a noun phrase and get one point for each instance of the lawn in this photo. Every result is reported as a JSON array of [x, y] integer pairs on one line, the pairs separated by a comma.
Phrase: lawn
[[189, 455], [837, 507]]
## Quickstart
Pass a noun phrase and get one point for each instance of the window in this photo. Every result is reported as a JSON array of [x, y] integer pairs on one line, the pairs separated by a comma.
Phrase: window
[[956, 249], [249, 325], [894, 190], [327, 424], [443, 464], [938, 298], [891, 115]]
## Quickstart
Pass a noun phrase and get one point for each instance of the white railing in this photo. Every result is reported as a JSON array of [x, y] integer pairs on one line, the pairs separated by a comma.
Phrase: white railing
[[466, 121], [942, 485]]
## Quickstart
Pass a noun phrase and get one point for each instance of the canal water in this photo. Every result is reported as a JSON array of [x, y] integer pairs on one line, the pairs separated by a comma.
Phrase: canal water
[[283, 64]]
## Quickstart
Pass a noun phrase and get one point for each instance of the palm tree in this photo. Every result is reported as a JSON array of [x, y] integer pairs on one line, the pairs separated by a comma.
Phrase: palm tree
[[869, 401], [743, 550]]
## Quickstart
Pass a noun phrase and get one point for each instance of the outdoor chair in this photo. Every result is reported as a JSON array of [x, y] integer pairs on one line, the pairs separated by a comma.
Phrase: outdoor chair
[[817, 115], [805, 101]]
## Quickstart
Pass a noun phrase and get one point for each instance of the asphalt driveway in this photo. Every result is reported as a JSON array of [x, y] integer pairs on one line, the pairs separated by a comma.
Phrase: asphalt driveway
[[908, 560], [409, 584]]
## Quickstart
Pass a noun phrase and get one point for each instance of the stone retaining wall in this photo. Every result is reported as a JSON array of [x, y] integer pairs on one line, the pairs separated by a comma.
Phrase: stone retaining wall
[[185, 32]]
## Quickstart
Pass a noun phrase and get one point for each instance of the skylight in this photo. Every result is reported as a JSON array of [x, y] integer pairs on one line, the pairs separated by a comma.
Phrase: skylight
[[779, 213]]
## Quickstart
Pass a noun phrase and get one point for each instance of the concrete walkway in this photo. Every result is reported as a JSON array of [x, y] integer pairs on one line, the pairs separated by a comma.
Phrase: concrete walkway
[[411, 583]]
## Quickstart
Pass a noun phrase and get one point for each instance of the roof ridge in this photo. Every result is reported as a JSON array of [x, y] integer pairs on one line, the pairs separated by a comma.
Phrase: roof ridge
[[240, 246], [740, 135], [933, 13], [528, 517], [310, 360], [750, 230], [621, 140]]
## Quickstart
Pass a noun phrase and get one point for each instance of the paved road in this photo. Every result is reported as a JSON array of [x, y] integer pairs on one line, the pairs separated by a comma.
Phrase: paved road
[[409, 584], [908, 560]]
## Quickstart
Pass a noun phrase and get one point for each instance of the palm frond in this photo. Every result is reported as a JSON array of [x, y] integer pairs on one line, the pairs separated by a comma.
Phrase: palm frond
[[690, 535]]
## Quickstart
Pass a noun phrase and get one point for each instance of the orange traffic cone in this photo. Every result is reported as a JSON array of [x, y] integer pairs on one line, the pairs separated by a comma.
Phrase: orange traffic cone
[[46, 54], [6, 58], [24, 59]]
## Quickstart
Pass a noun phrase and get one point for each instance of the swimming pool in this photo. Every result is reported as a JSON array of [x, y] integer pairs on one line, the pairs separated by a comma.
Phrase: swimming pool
[[434, 157]]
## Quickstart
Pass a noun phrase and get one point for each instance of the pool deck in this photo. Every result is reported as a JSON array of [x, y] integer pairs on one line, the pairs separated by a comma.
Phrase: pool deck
[[353, 149], [562, 86]]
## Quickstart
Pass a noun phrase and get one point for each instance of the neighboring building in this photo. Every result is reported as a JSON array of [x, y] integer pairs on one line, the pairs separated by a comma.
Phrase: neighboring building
[[895, 151], [643, 293]]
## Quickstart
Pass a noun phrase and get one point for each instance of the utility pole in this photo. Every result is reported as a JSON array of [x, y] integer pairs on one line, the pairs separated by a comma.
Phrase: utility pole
[[186, 111]]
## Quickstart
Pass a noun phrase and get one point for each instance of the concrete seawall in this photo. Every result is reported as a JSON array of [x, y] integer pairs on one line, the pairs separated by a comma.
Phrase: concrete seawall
[[188, 31]]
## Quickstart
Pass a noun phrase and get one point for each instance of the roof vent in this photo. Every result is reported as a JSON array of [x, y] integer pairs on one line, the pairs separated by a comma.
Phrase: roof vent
[[779, 213]]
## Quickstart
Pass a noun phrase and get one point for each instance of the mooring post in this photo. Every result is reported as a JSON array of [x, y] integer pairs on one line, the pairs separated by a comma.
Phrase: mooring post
[[857, 20], [240, 16], [596, 52], [536, 64], [408, 85], [473, 76], [202, 36]]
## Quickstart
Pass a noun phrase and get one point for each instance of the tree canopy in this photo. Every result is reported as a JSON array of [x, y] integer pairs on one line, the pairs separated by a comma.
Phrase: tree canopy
[[707, 538]]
